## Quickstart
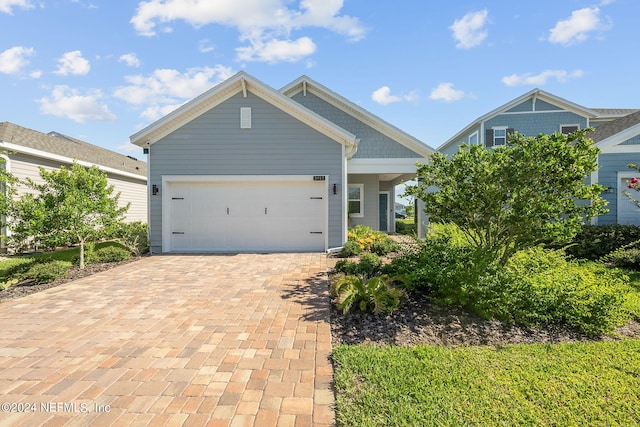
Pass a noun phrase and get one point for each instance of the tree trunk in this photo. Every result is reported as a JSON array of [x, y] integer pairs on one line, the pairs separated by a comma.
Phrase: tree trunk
[[81, 254]]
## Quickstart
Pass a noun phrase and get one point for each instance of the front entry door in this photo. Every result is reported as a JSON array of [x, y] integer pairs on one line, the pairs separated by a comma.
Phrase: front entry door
[[384, 211]]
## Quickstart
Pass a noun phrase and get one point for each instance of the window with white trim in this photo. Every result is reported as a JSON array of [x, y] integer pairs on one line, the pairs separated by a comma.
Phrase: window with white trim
[[497, 135], [356, 200], [473, 138], [567, 129]]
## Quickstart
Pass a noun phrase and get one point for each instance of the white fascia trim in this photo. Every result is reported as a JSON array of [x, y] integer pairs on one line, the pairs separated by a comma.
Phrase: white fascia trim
[[612, 144], [68, 160], [384, 165]]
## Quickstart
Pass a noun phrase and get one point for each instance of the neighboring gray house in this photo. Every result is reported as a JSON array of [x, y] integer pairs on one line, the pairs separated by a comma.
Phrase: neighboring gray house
[[26, 150], [245, 168], [617, 134]]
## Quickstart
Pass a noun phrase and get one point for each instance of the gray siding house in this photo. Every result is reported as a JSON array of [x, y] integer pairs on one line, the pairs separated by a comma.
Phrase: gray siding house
[[617, 134], [25, 150], [247, 168]]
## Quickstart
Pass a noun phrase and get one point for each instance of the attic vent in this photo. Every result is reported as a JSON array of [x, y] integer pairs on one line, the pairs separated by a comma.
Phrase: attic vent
[[245, 118]]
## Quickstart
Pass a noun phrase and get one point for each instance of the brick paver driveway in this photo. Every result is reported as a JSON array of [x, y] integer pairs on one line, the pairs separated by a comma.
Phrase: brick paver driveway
[[236, 340]]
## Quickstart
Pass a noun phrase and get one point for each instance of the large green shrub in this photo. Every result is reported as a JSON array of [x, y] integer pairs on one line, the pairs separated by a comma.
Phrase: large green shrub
[[47, 272], [112, 254], [514, 196], [595, 241], [535, 287]]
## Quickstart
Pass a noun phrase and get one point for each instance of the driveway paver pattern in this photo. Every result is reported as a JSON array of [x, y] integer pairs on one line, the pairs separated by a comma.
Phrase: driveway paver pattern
[[193, 340]]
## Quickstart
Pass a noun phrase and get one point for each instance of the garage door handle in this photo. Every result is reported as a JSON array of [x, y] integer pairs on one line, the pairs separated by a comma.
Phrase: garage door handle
[[315, 232], [178, 232], [227, 211], [316, 198], [265, 211], [177, 198]]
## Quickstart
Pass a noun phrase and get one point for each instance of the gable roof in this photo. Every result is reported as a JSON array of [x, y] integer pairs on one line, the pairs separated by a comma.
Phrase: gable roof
[[609, 137], [532, 94], [240, 83], [305, 83], [59, 147]]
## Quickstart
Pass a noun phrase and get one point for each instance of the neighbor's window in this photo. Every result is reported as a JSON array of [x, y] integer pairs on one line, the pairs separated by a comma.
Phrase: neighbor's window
[[473, 138], [567, 129], [498, 135], [356, 197]]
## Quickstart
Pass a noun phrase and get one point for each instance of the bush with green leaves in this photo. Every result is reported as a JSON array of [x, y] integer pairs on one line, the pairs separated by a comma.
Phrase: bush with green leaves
[[47, 272], [112, 254], [536, 287], [624, 258], [438, 266], [376, 294], [366, 239], [595, 241], [351, 248], [132, 235]]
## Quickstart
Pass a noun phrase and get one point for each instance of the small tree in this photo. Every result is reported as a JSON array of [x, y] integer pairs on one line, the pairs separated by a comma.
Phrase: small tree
[[71, 205], [516, 196]]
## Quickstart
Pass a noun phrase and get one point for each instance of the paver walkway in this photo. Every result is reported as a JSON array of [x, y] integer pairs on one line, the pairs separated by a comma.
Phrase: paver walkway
[[219, 340]]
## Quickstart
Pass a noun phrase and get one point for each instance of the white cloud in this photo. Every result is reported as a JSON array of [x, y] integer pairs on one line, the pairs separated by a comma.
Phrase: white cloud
[[273, 51], [577, 27], [264, 24], [469, 30], [71, 104], [446, 92], [14, 59], [166, 89], [7, 6], [541, 79], [383, 96], [72, 63], [205, 46], [130, 59]]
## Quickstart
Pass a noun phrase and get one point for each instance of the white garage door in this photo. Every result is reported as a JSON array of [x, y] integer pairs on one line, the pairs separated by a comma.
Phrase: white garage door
[[245, 216]]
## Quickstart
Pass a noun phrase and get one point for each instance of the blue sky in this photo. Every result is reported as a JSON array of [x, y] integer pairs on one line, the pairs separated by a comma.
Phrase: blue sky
[[101, 70]]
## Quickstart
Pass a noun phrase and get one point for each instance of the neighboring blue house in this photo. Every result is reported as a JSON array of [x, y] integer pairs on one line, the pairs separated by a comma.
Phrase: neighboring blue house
[[617, 135], [247, 168]]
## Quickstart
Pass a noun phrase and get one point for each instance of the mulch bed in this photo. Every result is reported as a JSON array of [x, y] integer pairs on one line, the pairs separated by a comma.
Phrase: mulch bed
[[26, 288]]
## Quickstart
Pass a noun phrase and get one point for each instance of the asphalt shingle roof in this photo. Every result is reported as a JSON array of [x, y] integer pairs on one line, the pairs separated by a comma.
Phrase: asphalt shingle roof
[[63, 145], [606, 130]]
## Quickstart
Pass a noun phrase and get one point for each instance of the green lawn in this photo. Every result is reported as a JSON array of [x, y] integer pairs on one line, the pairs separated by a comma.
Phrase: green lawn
[[577, 384]]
